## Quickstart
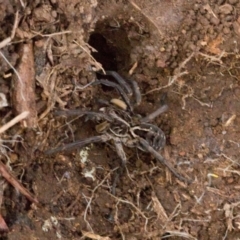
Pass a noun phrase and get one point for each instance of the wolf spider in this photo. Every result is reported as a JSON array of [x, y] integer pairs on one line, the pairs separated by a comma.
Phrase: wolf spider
[[117, 121]]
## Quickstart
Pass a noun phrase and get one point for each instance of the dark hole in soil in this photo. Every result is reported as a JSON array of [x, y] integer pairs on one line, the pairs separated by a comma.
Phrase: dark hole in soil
[[106, 54], [113, 46], [113, 49]]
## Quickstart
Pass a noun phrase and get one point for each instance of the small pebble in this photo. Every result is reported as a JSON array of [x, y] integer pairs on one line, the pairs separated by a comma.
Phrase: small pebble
[[214, 20], [182, 153], [233, 1], [226, 30], [226, 9], [230, 180]]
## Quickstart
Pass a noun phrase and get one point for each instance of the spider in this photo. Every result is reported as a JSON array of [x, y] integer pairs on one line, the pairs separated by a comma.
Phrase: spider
[[116, 121]]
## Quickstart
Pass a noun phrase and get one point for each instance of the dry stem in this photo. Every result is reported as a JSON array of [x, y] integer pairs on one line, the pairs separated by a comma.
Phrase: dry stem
[[15, 183], [177, 74], [6, 41], [14, 121], [92, 196], [134, 206], [149, 19]]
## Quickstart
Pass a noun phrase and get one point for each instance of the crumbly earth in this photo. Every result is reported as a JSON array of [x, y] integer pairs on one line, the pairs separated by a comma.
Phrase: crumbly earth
[[188, 50]]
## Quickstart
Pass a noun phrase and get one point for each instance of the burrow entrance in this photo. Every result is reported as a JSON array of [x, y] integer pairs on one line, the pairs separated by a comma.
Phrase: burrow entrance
[[113, 46]]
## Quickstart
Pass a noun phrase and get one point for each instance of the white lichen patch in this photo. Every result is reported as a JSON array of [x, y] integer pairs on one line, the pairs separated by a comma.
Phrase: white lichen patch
[[84, 155], [47, 225], [89, 173], [50, 224], [54, 220], [3, 100]]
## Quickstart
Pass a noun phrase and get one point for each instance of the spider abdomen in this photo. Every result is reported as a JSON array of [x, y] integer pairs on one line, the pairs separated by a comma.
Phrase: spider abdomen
[[152, 134]]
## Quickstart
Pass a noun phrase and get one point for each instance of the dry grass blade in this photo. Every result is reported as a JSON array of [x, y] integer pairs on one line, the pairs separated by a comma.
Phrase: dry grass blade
[[6, 41], [3, 225], [147, 17], [228, 210], [178, 72], [15, 183], [94, 236], [91, 199], [179, 234], [14, 121], [158, 208]]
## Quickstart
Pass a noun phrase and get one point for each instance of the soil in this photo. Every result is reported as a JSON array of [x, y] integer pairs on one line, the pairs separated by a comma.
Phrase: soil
[[185, 50]]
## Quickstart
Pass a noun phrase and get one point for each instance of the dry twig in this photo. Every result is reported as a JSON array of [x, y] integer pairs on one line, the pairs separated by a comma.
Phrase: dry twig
[[14, 121], [134, 206], [4, 171], [6, 41], [23, 94], [148, 18], [94, 236], [92, 196], [177, 74], [3, 225], [212, 58], [15, 183]]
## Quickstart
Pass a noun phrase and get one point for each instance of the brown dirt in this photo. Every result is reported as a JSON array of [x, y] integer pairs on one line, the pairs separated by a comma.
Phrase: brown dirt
[[202, 125]]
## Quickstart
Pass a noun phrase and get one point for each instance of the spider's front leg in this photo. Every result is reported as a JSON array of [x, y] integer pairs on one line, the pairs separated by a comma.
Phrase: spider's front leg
[[155, 114], [125, 85], [80, 113], [118, 88], [121, 81]]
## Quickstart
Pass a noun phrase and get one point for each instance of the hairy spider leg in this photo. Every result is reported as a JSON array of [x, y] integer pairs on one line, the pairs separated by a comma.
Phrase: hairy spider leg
[[162, 160], [136, 91], [120, 150], [79, 144], [124, 84], [155, 114], [121, 81], [118, 88], [80, 113]]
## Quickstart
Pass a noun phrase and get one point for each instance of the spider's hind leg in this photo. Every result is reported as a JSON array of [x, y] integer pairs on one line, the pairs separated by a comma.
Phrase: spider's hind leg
[[121, 154], [120, 150], [136, 91], [162, 160]]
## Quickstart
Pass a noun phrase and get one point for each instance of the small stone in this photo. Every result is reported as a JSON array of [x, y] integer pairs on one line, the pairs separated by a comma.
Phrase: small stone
[[214, 20], [160, 63], [233, 1], [13, 157], [226, 9], [230, 180], [204, 21], [184, 31], [226, 30], [182, 153], [236, 28]]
